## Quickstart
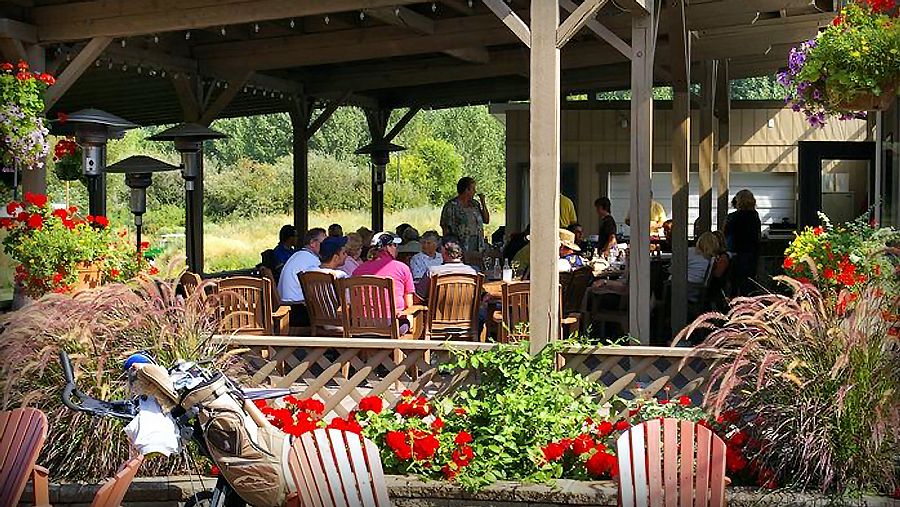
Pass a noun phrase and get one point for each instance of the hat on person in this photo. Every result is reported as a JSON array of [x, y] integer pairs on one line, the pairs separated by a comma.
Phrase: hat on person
[[411, 247], [331, 245], [567, 239], [383, 239]]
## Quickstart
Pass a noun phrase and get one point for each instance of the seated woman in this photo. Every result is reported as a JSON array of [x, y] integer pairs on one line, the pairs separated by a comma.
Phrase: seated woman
[[707, 264]]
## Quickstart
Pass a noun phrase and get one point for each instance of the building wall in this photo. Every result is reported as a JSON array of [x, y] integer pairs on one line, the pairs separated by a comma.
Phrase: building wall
[[595, 145]]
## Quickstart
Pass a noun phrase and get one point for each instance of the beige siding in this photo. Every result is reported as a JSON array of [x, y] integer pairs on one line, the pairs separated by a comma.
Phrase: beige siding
[[598, 143]]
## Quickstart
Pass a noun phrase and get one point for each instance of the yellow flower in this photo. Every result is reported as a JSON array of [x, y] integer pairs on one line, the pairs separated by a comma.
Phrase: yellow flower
[[855, 54]]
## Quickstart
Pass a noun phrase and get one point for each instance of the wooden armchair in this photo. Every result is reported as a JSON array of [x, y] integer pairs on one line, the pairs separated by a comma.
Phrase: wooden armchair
[[24, 431], [514, 311], [453, 301], [113, 490], [246, 306], [323, 304]]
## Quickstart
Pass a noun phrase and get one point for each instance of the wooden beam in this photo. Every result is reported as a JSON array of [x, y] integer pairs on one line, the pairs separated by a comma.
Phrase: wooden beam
[[352, 45], [460, 6], [401, 123], [723, 142], [544, 174], [577, 20], [510, 19], [636, 7], [129, 18], [74, 70], [479, 55], [605, 34], [13, 50], [707, 146], [224, 98], [679, 58], [403, 16], [12, 29], [187, 98], [325, 114], [641, 161]]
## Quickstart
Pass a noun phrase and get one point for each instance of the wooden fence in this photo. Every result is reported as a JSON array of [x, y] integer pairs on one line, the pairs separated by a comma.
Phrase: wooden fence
[[342, 371]]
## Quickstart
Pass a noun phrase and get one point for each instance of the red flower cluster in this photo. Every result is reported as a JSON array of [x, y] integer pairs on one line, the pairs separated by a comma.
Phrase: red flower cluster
[[412, 406], [370, 404], [65, 148], [23, 74], [880, 5], [302, 416], [592, 453]]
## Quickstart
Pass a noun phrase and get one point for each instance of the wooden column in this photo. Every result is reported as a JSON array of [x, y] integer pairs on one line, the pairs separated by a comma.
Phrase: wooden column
[[679, 57], [707, 146], [642, 42], [723, 143], [544, 173], [300, 117]]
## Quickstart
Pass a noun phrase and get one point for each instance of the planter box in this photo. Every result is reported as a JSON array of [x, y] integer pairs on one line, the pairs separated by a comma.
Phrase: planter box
[[411, 492]]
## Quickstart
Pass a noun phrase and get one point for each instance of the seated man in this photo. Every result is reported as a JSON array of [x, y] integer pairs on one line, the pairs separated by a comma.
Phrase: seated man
[[289, 284], [287, 245], [429, 256], [332, 253], [335, 231], [568, 256], [453, 264], [383, 255]]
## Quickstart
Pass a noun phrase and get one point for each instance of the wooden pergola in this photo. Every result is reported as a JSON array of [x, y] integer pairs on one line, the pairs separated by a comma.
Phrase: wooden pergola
[[167, 61]]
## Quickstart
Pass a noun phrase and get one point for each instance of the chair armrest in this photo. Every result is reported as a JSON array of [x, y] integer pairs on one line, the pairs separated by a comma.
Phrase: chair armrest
[[293, 500], [39, 479], [497, 316], [281, 318], [416, 315]]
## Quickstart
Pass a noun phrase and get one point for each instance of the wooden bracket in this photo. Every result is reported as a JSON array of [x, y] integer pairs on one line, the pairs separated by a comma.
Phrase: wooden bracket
[[605, 34], [577, 20], [510, 19], [74, 70]]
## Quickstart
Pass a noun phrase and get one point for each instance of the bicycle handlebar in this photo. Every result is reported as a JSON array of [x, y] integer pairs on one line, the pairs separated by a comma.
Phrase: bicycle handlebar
[[121, 409]]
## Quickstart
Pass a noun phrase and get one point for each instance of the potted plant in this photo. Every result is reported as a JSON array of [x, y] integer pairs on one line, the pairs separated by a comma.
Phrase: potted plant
[[851, 67], [67, 160], [23, 135], [59, 252]]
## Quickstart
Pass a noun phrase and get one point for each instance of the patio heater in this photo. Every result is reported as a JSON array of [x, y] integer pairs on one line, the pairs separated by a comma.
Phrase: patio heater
[[380, 153], [92, 129], [188, 138], [138, 171]]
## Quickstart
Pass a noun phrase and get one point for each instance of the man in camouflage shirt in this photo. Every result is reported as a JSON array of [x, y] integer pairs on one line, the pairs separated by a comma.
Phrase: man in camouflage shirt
[[464, 218]]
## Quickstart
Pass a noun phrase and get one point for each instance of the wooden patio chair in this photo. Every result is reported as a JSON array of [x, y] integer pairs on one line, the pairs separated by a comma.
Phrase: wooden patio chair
[[189, 282], [333, 467], [323, 303], [246, 306], [24, 431], [114, 489], [604, 316], [514, 311], [453, 301], [574, 286], [657, 465]]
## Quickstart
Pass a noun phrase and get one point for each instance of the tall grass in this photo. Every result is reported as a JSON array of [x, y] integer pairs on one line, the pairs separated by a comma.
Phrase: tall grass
[[816, 383]]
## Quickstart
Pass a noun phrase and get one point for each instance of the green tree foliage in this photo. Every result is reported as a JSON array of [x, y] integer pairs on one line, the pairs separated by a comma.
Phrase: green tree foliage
[[434, 166]]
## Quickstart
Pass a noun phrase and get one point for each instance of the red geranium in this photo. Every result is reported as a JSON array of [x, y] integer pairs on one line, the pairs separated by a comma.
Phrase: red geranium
[[371, 404], [38, 200], [437, 424], [36, 221], [462, 438], [605, 428], [12, 207], [101, 221], [553, 451], [685, 401], [622, 425]]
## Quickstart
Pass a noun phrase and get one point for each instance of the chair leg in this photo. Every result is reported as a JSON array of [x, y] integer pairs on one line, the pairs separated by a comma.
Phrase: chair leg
[[39, 479]]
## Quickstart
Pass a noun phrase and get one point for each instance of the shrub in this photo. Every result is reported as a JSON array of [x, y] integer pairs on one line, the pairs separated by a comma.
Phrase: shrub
[[814, 384], [337, 185], [249, 189], [99, 329]]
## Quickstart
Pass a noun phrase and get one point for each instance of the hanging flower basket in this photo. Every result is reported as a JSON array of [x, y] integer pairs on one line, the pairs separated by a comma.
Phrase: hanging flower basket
[[851, 67], [67, 160], [23, 134]]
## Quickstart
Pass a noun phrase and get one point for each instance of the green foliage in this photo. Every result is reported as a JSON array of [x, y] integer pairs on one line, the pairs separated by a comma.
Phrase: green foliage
[[338, 185], [433, 165], [520, 403], [757, 88], [249, 189], [263, 139]]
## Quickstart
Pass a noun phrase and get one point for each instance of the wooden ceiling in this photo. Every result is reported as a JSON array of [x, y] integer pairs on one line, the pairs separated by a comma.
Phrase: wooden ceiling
[[388, 53]]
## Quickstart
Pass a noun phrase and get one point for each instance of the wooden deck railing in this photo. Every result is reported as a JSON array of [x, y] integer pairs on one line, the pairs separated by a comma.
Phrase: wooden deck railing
[[341, 371]]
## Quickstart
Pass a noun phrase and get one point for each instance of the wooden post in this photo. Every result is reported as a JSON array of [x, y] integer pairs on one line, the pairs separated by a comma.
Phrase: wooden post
[[679, 56], [544, 174], [723, 142], [300, 114], [641, 158], [708, 69]]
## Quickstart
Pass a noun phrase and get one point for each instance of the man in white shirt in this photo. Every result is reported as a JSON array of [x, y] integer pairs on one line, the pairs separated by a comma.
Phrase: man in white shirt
[[302, 261], [333, 253]]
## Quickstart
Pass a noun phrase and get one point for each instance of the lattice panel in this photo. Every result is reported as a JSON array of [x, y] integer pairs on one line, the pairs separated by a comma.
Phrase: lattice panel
[[340, 372]]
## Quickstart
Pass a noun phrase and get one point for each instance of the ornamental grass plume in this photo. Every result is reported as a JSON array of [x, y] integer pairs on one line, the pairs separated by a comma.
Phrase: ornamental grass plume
[[99, 329], [814, 384]]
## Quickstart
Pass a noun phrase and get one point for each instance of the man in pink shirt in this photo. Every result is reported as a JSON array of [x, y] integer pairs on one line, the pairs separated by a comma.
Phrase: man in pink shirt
[[384, 263]]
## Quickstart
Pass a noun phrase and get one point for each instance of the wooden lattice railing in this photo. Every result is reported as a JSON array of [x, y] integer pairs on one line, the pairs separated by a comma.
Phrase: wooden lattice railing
[[341, 371]]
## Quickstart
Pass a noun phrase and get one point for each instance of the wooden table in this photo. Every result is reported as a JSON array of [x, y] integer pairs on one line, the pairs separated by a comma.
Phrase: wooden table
[[494, 289]]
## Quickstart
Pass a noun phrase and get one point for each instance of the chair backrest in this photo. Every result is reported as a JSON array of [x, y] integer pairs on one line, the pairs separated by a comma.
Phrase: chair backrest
[[265, 272], [246, 304], [322, 301], [368, 309], [514, 305], [657, 465], [189, 282], [574, 287], [337, 468], [113, 490], [24, 431], [453, 306]]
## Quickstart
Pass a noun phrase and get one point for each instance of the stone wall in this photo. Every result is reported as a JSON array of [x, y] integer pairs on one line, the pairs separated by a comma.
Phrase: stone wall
[[411, 492]]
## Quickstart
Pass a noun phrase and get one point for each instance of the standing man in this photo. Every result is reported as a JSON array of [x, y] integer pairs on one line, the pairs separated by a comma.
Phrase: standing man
[[289, 284], [567, 215], [607, 236], [464, 218]]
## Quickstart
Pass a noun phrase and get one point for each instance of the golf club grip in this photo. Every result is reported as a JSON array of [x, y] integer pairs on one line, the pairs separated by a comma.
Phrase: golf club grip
[[66, 366]]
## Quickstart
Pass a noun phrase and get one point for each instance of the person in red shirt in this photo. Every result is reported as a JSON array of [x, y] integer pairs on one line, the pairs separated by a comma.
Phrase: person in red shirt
[[383, 255]]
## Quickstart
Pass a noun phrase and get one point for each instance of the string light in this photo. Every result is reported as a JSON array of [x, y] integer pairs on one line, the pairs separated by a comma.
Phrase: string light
[[470, 4], [223, 31], [97, 63], [292, 23], [123, 43], [187, 35], [110, 66], [433, 7], [139, 69], [156, 39], [327, 20], [255, 27], [162, 73], [124, 67], [397, 12], [362, 15]]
